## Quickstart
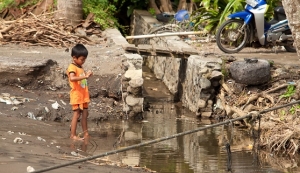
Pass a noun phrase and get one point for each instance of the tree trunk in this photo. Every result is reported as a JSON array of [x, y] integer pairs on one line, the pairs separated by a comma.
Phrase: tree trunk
[[165, 6], [292, 10], [170, 6], [190, 7], [153, 5], [182, 5], [70, 10]]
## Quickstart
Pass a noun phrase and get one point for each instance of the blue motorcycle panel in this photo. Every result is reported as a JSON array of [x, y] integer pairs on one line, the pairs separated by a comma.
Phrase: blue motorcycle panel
[[245, 15]]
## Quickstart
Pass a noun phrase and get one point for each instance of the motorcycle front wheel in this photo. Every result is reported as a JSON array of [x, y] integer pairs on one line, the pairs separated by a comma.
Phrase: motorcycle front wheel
[[230, 37], [289, 47]]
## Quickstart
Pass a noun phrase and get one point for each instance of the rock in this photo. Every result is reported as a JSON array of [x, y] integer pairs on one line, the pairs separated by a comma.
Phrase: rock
[[133, 74], [132, 101], [205, 83], [201, 103], [216, 75], [251, 71], [206, 114], [137, 82]]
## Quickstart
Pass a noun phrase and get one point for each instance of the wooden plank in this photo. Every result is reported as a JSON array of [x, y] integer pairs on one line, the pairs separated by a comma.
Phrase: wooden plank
[[130, 47], [163, 50], [190, 51], [175, 50], [145, 48]]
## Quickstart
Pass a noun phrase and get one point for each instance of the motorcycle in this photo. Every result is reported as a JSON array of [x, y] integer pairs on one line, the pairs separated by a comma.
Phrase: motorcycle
[[249, 28]]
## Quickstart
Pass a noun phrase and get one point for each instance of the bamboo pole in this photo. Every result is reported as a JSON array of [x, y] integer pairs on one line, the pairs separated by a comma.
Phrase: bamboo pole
[[165, 34]]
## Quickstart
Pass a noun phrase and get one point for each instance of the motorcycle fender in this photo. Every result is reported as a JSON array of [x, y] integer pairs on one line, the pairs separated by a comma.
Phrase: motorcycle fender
[[245, 15]]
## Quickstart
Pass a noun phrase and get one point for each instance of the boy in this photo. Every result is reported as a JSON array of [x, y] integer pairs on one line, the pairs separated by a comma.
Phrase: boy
[[79, 94]]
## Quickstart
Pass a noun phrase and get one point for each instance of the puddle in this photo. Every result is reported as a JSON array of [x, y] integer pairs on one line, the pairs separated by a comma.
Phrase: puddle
[[193, 153]]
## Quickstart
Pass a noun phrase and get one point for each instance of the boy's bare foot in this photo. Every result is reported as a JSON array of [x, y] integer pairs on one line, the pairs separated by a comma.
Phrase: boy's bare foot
[[76, 138], [86, 136]]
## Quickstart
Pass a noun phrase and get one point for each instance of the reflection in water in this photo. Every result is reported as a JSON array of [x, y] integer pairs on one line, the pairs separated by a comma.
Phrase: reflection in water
[[194, 153]]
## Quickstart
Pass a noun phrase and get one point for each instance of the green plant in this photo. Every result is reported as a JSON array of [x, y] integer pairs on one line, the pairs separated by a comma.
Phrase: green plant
[[294, 108], [212, 13], [282, 115], [152, 11], [6, 3], [224, 70], [104, 12], [28, 3], [289, 91]]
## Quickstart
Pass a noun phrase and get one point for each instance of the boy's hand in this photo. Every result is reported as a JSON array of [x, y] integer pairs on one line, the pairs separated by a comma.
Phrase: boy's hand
[[89, 73]]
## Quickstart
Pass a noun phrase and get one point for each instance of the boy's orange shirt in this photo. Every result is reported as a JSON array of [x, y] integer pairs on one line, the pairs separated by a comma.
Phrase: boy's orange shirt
[[79, 89]]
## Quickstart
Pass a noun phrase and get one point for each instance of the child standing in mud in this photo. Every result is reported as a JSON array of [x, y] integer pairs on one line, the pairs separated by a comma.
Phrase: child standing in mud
[[79, 94]]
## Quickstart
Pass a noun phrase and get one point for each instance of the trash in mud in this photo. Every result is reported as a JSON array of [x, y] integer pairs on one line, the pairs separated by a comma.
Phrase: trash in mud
[[14, 108], [31, 115], [55, 105], [41, 139], [10, 132], [18, 140], [12, 100], [74, 153], [63, 102], [30, 169], [47, 110]]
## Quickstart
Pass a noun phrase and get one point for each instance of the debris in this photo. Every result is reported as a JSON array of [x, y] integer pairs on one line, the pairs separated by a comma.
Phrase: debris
[[18, 140], [10, 132], [41, 139], [55, 105], [31, 115], [46, 109], [74, 153], [40, 118], [63, 102], [43, 30], [30, 169], [14, 108]]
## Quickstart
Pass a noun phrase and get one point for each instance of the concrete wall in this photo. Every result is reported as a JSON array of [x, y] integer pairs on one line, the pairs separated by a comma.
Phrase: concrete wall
[[193, 80]]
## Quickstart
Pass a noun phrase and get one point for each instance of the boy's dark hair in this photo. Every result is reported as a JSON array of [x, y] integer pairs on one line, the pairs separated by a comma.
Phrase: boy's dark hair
[[79, 50]]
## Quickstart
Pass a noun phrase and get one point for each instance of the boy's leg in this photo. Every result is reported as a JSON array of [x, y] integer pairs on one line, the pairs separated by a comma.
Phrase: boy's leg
[[85, 114], [76, 115]]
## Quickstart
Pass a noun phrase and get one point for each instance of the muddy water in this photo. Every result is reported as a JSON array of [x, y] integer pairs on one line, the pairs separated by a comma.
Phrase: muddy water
[[194, 153]]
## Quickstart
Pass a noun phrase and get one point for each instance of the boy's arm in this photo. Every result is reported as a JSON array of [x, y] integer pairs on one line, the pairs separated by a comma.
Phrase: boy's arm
[[74, 78]]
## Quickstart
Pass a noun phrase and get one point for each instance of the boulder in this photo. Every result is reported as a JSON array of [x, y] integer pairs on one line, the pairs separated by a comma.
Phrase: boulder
[[250, 71]]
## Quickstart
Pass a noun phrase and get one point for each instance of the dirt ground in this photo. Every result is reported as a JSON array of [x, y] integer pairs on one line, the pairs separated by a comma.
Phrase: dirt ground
[[27, 141], [46, 143]]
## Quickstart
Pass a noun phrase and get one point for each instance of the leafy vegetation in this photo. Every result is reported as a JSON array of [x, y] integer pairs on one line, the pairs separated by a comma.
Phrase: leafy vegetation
[[212, 13], [106, 11], [294, 109], [12, 3], [6, 3], [289, 91], [103, 11]]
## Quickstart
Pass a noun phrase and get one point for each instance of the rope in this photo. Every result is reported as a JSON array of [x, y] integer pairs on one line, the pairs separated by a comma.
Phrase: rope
[[161, 139]]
